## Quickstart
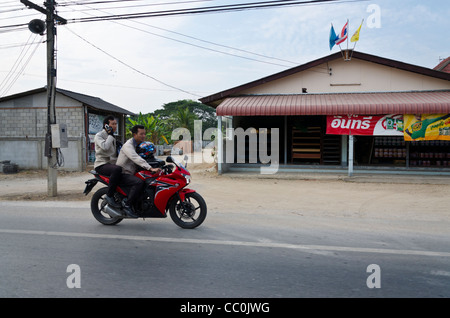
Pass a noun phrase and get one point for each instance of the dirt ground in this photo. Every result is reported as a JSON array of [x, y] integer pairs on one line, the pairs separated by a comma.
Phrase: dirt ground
[[414, 197]]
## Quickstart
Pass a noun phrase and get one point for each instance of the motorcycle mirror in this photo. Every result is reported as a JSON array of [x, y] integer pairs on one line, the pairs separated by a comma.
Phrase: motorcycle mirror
[[185, 160], [169, 159]]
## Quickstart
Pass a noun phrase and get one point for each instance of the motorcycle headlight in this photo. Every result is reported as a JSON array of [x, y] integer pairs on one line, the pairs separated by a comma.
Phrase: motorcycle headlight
[[187, 177]]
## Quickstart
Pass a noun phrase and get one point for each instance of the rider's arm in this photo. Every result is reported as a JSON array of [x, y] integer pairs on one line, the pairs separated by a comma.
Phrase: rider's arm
[[129, 150], [104, 144]]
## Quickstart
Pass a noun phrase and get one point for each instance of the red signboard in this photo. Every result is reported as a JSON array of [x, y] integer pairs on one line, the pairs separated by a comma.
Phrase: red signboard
[[388, 125]]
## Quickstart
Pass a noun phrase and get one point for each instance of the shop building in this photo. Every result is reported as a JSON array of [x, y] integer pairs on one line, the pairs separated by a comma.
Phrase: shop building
[[336, 114], [23, 119]]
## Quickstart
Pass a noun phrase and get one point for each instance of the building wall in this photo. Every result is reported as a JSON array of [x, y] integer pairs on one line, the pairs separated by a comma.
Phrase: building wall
[[29, 153], [350, 76], [32, 122], [23, 125]]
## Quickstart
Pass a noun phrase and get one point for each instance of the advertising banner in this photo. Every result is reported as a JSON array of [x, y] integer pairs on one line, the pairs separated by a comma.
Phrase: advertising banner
[[387, 125], [427, 127]]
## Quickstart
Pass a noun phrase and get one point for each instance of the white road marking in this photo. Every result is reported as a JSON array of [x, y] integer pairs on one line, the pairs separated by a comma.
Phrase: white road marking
[[310, 248], [440, 273]]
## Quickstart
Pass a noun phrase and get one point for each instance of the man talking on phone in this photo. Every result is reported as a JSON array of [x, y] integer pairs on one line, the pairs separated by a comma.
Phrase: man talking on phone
[[106, 156]]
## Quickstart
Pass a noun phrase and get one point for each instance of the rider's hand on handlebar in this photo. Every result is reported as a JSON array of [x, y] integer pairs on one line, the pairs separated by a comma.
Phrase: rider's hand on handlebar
[[155, 170]]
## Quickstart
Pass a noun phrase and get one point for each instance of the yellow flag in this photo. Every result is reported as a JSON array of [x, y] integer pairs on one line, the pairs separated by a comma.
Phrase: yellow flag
[[355, 36]]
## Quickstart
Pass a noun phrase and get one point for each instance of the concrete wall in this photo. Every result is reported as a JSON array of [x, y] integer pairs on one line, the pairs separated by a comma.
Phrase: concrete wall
[[28, 153], [23, 125]]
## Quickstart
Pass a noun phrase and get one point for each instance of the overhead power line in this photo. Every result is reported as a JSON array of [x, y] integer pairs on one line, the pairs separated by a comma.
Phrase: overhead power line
[[19, 65], [133, 68], [72, 3], [200, 40], [13, 26], [211, 9]]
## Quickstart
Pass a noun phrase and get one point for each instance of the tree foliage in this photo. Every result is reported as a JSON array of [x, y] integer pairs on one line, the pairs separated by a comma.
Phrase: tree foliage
[[199, 111], [180, 114]]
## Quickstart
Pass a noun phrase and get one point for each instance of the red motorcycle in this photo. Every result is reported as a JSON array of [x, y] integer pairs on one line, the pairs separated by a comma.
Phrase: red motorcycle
[[164, 191]]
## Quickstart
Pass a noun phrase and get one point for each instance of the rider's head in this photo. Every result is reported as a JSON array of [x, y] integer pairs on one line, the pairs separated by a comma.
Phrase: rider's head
[[111, 122], [138, 132]]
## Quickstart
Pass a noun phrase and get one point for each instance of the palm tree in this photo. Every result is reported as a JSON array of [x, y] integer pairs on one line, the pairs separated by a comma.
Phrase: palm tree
[[183, 118], [154, 127]]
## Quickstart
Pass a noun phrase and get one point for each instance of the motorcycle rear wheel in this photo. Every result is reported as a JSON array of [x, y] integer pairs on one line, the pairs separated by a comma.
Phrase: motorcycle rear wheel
[[98, 204], [190, 213]]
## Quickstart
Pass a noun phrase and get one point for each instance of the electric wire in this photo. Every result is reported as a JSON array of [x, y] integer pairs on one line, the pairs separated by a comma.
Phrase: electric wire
[[210, 9], [13, 45], [11, 10], [71, 3], [14, 30], [131, 67], [14, 26], [14, 67], [204, 41], [14, 74], [209, 42]]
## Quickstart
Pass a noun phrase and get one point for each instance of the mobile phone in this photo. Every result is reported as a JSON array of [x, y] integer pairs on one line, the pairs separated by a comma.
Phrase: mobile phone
[[107, 127]]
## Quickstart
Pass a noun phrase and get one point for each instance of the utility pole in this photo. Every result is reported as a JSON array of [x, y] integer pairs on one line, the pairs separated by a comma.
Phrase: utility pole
[[52, 173], [51, 153]]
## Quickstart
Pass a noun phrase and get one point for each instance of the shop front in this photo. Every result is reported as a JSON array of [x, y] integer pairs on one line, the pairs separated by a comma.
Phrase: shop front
[[314, 133], [409, 141], [333, 114]]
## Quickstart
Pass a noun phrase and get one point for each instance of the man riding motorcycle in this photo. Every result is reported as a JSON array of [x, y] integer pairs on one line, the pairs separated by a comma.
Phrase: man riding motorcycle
[[128, 159]]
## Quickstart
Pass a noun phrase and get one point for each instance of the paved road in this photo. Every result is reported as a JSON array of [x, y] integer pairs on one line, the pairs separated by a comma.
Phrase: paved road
[[230, 255]]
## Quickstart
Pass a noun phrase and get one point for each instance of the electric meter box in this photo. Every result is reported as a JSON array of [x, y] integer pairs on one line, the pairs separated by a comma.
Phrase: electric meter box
[[59, 136]]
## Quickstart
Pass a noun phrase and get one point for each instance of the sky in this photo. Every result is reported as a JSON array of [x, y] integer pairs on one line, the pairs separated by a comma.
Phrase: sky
[[142, 64]]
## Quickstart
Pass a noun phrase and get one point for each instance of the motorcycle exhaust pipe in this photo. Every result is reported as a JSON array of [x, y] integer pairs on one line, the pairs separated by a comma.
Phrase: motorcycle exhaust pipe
[[113, 212]]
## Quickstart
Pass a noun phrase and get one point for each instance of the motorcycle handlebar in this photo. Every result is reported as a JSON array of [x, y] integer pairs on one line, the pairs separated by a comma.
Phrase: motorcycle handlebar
[[167, 169]]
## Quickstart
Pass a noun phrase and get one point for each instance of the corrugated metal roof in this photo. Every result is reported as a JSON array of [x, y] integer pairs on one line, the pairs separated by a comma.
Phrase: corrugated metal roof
[[90, 101], [215, 99], [443, 66], [429, 102], [95, 102]]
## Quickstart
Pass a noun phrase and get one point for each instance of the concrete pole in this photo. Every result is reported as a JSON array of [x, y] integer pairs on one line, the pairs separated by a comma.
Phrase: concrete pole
[[219, 145], [350, 155], [285, 139], [52, 173]]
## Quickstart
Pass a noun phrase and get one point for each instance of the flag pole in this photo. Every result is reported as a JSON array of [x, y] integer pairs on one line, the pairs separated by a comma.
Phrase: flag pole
[[338, 44], [354, 47], [348, 29], [356, 42], [342, 52]]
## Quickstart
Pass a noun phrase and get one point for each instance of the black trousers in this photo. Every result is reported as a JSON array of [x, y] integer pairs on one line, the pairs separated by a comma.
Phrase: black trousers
[[115, 175], [136, 186]]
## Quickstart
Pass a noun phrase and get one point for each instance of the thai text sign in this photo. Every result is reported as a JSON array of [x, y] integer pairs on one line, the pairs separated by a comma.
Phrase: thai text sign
[[387, 125]]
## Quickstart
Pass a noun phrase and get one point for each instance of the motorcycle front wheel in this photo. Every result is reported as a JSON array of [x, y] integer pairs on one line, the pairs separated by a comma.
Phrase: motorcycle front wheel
[[98, 204], [190, 213]]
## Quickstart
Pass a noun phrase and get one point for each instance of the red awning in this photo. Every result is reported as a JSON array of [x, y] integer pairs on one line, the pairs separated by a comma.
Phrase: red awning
[[429, 102]]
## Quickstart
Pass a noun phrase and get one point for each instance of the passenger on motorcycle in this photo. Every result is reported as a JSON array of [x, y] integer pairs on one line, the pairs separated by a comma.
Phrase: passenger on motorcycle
[[128, 159], [106, 156]]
